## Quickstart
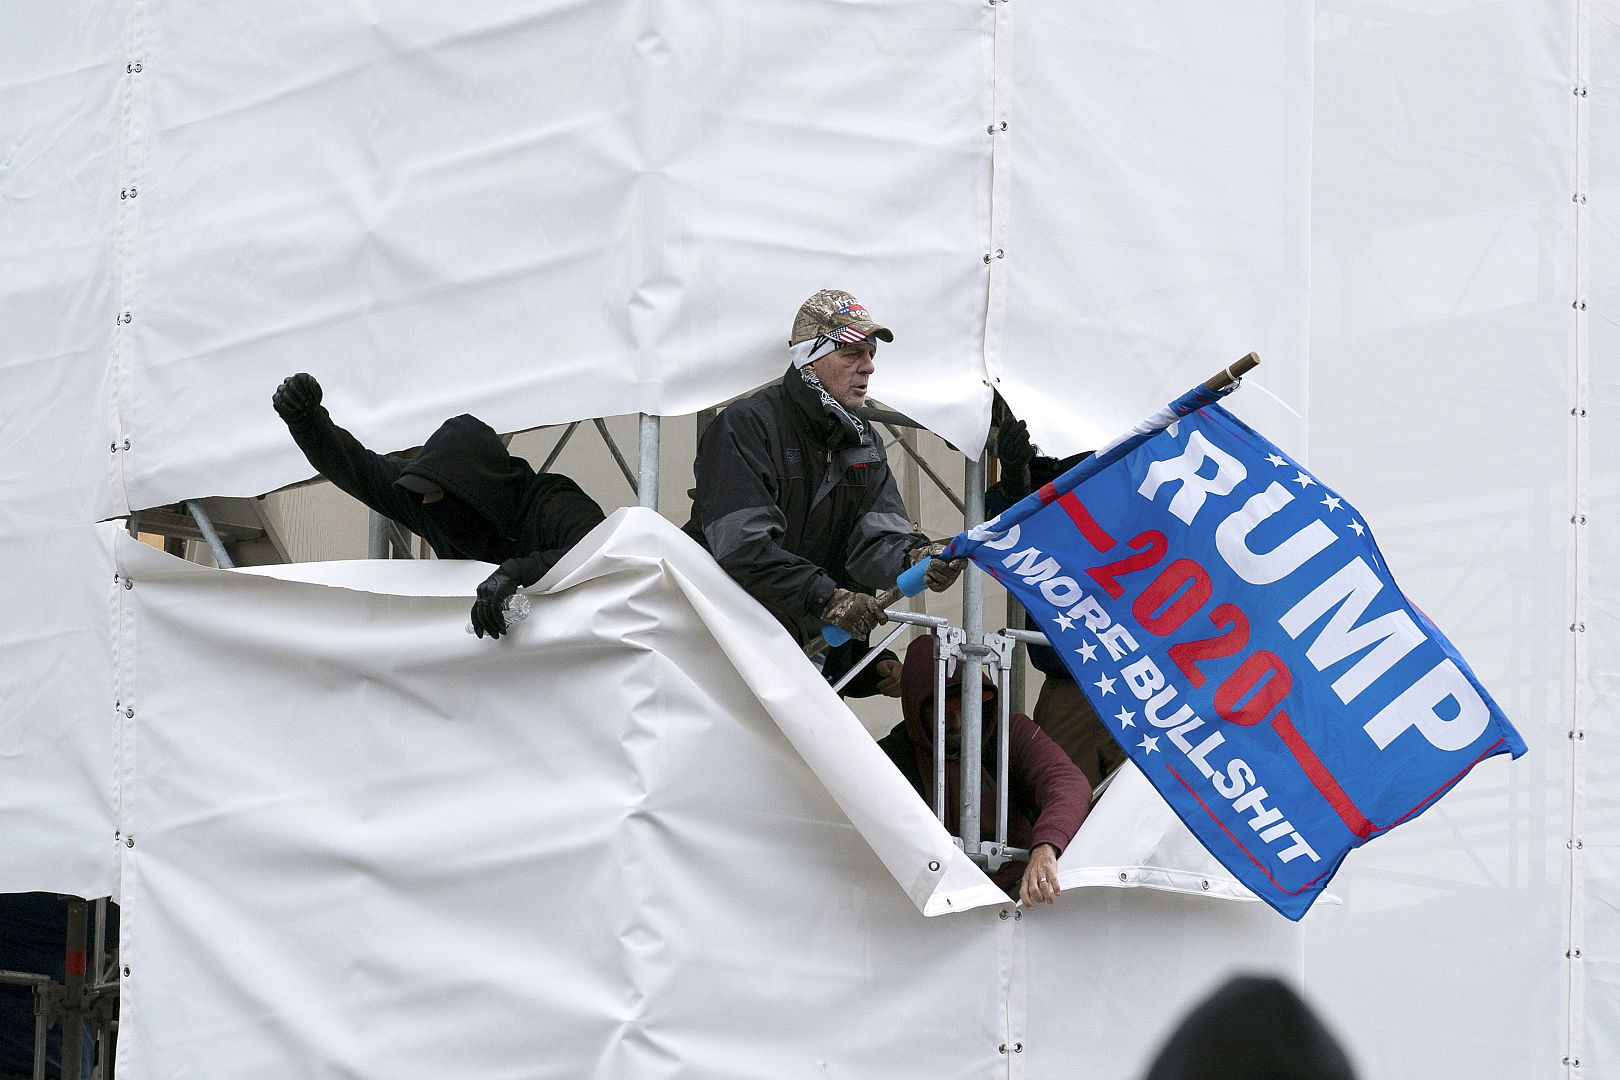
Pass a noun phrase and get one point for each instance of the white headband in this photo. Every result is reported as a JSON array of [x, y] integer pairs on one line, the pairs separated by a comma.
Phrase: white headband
[[812, 349]]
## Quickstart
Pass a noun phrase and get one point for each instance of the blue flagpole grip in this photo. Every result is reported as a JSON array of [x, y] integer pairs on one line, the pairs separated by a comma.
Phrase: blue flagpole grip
[[833, 636], [914, 580]]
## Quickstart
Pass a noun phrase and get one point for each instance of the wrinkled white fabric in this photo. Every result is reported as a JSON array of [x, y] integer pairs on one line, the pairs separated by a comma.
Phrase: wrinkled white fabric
[[1597, 709], [537, 211], [1443, 379], [60, 213], [1156, 208], [638, 836]]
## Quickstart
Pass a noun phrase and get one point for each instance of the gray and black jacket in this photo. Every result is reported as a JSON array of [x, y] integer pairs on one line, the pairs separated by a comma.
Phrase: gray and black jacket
[[793, 504]]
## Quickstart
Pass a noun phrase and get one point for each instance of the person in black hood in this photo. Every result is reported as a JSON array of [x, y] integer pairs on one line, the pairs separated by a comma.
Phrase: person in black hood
[[462, 493], [1252, 1028], [794, 496]]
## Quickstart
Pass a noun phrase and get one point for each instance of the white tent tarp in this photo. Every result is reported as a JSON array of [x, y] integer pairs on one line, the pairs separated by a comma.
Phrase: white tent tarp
[[60, 128], [366, 839], [547, 210], [1444, 388]]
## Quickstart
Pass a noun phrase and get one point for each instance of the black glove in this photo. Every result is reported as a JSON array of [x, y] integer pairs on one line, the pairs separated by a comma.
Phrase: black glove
[[854, 613], [297, 398], [488, 611], [1015, 452]]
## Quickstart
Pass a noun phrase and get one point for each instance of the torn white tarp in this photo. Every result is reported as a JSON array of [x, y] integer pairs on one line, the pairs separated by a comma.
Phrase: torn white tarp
[[639, 833]]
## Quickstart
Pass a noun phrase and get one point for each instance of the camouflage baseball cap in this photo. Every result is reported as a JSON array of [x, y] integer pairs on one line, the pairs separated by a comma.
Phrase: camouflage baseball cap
[[832, 313]]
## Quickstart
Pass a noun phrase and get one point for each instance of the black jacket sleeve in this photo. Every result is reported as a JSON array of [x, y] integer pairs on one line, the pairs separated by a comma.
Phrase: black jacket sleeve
[[1001, 496], [558, 516], [743, 527], [369, 477]]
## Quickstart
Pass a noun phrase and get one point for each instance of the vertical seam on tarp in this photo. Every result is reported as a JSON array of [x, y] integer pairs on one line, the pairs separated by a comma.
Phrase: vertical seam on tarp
[[998, 129], [1015, 955], [998, 124], [131, 158], [125, 716], [1573, 964]]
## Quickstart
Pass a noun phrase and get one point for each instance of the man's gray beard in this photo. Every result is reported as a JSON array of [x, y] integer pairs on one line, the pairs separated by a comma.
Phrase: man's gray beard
[[831, 404]]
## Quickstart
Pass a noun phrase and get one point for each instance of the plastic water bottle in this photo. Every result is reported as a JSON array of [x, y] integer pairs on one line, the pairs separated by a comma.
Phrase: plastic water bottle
[[514, 611]]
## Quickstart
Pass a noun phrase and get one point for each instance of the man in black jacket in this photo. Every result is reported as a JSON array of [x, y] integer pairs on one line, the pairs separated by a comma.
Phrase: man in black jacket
[[462, 493], [794, 496]]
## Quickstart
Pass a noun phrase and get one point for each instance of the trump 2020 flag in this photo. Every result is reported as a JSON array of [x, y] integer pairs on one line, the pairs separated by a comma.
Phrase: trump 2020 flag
[[1233, 622]]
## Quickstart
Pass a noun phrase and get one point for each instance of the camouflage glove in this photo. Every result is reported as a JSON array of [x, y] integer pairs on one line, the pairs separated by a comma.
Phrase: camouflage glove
[[854, 613], [940, 574]]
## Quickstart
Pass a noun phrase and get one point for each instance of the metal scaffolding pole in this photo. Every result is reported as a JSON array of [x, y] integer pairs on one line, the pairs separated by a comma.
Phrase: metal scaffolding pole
[[41, 987], [928, 470], [551, 458], [205, 525], [73, 995], [1017, 679], [377, 546], [42, 1028], [972, 753], [647, 466], [613, 448]]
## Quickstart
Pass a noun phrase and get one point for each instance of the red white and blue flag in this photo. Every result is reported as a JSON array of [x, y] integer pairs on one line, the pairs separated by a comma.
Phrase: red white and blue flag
[[1236, 627]]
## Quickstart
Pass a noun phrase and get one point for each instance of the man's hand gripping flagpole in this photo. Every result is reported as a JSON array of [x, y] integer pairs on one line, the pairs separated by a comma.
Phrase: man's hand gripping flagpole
[[913, 581]]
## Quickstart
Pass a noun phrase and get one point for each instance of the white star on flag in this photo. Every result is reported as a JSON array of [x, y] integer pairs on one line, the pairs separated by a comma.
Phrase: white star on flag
[[1126, 718], [1303, 481], [1357, 527], [1149, 743], [1065, 623], [1088, 652], [1105, 684], [1332, 502], [1277, 460]]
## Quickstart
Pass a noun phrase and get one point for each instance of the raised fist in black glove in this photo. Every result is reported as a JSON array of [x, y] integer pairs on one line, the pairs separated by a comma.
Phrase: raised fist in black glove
[[489, 610], [1015, 452], [297, 398]]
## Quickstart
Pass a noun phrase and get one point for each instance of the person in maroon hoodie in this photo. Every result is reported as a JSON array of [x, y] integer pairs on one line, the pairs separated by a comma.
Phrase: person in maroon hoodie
[[1048, 796]]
